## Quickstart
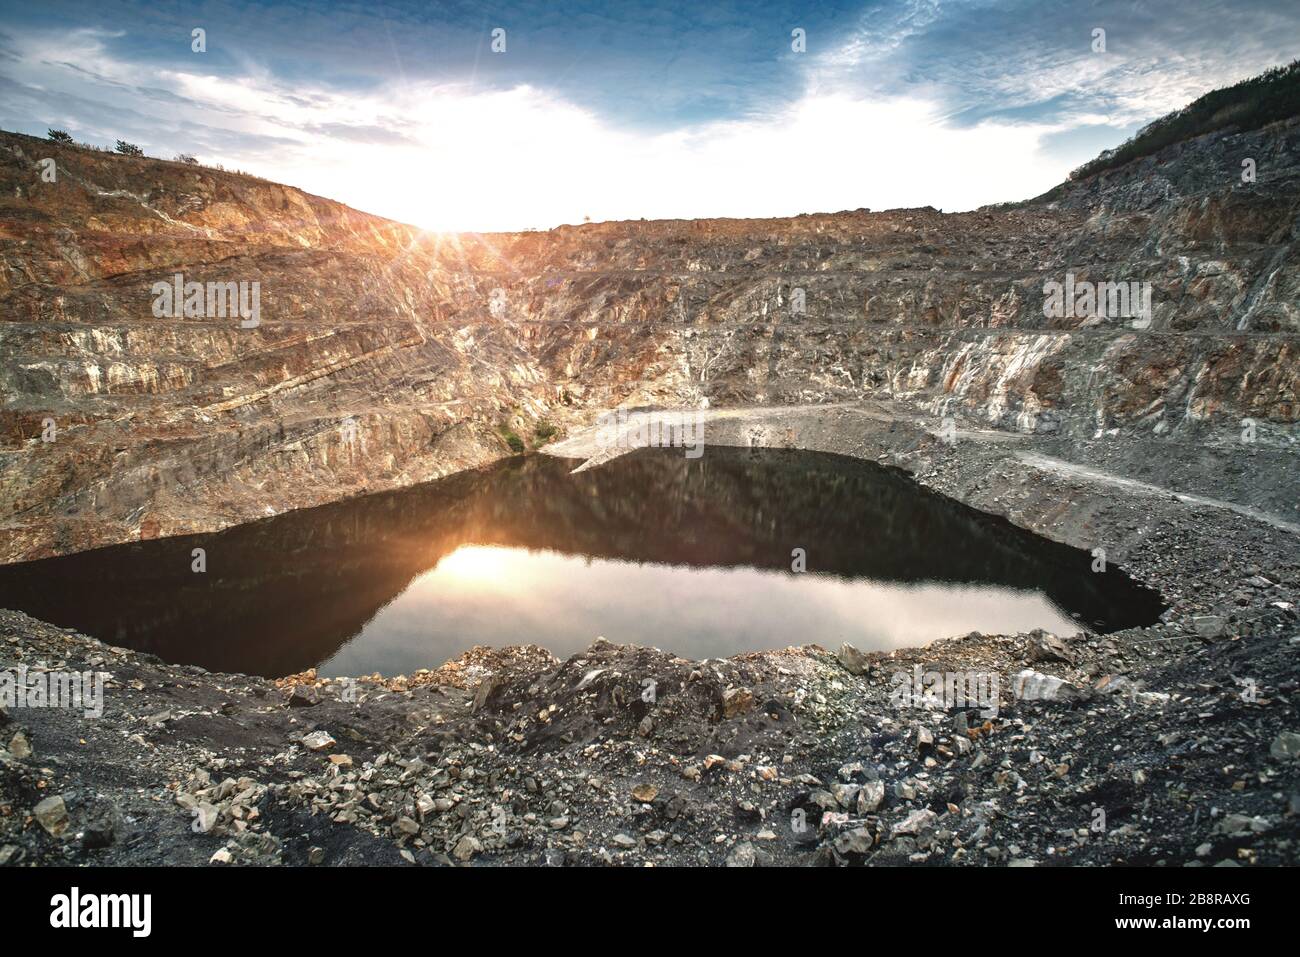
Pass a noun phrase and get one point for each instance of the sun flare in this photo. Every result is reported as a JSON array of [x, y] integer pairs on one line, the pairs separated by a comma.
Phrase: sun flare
[[478, 563]]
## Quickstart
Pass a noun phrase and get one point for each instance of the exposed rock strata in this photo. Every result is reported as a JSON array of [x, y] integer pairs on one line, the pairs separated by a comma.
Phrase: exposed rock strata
[[428, 343], [1182, 734]]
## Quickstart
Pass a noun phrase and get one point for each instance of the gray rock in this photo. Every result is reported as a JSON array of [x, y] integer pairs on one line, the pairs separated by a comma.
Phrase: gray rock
[[304, 696], [871, 796], [845, 794], [1047, 647], [1030, 685], [318, 741], [742, 855], [103, 822], [484, 691], [205, 818], [854, 844], [252, 849], [854, 661], [824, 800], [1210, 626], [918, 822], [19, 746], [853, 771], [1286, 746], [1241, 824], [466, 848], [52, 814]]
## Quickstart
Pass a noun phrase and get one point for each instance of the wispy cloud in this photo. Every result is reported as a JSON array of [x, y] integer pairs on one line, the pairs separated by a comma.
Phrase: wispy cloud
[[1035, 58], [952, 104], [457, 157]]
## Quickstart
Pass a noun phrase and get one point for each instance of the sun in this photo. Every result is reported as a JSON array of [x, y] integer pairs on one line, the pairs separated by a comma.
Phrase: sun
[[477, 563]]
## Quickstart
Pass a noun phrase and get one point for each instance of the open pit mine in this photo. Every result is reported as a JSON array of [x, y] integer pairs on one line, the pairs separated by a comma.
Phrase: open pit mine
[[258, 450]]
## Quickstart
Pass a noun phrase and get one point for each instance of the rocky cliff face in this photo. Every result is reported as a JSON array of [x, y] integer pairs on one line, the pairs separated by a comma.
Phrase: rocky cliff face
[[358, 375], [385, 356]]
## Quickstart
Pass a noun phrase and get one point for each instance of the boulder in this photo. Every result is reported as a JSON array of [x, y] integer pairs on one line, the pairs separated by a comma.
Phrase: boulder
[[853, 661]]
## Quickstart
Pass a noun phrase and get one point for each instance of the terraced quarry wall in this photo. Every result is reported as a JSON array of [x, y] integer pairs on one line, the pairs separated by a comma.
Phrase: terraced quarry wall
[[386, 356]]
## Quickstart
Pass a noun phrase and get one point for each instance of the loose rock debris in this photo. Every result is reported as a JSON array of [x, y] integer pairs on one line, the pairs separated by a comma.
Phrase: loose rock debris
[[1140, 747]]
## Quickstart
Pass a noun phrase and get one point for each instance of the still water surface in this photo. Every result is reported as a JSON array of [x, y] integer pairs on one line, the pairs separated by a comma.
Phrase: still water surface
[[690, 555]]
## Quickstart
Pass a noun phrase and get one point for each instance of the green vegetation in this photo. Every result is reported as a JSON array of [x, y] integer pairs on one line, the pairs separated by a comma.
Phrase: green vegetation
[[544, 431], [128, 149], [1271, 96], [513, 440], [60, 136]]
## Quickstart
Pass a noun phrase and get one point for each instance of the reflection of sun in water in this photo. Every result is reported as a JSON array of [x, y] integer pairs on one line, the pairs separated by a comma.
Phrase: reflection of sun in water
[[475, 563]]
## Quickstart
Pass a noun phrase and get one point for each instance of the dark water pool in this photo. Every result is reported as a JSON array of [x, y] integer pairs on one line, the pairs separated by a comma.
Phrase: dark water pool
[[690, 555]]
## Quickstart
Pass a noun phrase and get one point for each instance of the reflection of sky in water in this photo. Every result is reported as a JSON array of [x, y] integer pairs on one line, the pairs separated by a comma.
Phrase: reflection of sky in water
[[690, 555], [481, 595]]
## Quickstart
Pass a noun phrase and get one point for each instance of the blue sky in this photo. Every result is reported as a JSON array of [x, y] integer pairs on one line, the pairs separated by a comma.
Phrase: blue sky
[[629, 110]]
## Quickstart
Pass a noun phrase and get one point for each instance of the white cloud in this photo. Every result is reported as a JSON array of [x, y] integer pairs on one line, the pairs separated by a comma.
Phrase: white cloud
[[470, 159], [521, 158]]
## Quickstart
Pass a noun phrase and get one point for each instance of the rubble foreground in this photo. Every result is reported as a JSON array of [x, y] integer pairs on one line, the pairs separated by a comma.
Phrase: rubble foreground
[[1170, 745]]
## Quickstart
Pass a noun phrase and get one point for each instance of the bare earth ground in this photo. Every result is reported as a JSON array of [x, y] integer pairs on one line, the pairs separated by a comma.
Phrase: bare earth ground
[[1173, 745]]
